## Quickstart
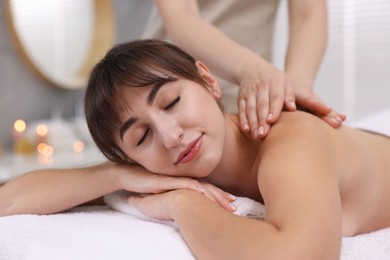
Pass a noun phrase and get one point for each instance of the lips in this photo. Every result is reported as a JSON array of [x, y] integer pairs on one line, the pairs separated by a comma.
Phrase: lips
[[191, 151]]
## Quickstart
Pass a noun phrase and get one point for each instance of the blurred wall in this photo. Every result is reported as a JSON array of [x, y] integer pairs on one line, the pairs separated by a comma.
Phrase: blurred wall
[[24, 95], [354, 79]]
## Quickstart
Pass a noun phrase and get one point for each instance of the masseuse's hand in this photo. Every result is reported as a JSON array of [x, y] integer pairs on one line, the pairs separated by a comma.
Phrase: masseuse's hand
[[264, 91], [158, 205], [310, 102]]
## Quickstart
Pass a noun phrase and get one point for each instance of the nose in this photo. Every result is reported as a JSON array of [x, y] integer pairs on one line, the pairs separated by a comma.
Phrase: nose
[[170, 131]]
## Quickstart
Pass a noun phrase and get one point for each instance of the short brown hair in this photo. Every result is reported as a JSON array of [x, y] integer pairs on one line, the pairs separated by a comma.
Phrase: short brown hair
[[133, 64]]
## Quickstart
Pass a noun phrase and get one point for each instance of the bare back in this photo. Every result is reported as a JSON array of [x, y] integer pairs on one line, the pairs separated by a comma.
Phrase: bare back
[[361, 161], [364, 171]]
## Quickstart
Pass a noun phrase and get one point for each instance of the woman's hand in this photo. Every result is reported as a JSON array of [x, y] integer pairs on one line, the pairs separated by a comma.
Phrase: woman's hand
[[135, 178], [159, 206]]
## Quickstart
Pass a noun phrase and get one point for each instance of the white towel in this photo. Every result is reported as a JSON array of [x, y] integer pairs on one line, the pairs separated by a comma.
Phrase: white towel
[[88, 233], [99, 233]]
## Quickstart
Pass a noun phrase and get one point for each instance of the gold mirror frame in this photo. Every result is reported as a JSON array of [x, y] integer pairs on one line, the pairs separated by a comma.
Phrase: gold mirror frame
[[103, 37]]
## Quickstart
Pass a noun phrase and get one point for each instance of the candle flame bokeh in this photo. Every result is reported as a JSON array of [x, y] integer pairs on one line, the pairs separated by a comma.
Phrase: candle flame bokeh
[[78, 146], [20, 126], [41, 130]]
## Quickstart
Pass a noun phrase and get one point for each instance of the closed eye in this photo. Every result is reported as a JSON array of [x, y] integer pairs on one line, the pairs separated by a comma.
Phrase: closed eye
[[173, 103], [143, 137]]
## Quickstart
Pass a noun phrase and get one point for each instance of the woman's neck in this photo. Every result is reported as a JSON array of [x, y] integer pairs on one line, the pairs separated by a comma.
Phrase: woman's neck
[[235, 171]]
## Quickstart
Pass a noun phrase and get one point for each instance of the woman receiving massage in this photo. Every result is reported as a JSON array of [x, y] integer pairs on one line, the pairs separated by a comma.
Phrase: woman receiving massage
[[153, 111]]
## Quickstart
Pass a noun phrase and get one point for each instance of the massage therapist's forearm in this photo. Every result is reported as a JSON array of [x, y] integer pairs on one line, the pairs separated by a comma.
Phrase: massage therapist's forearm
[[186, 28], [307, 41], [52, 191]]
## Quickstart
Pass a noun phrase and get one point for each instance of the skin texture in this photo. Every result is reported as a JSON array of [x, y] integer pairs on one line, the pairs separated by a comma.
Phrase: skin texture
[[263, 89], [318, 183], [310, 176]]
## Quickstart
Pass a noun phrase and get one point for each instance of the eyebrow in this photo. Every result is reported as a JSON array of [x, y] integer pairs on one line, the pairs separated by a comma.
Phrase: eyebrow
[[154, 91], [151, 97], [126, 125]]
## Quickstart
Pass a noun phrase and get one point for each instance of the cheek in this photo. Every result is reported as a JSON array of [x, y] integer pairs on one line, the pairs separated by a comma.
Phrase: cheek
[[153, 159], [202, 107]]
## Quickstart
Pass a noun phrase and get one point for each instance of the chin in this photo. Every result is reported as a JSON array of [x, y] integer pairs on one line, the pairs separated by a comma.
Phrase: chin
[[206, 166]]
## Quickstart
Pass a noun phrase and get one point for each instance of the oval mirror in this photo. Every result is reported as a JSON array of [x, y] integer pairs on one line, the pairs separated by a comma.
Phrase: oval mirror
[[61, 39]]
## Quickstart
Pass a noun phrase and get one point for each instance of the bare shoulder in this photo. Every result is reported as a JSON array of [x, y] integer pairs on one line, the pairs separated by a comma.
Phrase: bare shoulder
[[299, 118], [299, 124], [299, 137], [309, 132]]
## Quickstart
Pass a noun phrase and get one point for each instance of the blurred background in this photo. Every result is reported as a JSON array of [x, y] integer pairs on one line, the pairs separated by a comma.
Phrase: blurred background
[[354, 77]]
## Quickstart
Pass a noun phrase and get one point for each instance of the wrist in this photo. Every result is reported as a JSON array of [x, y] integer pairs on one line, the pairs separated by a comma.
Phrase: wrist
[[251, 64], [113, 172], [300, 80], [184, 200]]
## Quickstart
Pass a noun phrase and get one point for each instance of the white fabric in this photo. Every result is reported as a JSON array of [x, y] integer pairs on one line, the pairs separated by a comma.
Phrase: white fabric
[[97, 232], [88, 233]]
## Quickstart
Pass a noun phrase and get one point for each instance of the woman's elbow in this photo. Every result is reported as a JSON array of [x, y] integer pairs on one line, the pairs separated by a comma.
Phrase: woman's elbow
[[5, 204]]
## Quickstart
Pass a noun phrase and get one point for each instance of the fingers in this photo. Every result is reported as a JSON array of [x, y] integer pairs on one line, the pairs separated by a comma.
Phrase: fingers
[[219, 196], [257, 111], [167, 183], [313, 104], [242, 115], [261, 100], [334, 119], [213, 193], [277, 100], [289, 100], [253, 107]]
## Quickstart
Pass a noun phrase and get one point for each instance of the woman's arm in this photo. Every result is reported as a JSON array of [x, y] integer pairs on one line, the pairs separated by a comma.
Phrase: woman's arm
[[299, 185], [55, 190]]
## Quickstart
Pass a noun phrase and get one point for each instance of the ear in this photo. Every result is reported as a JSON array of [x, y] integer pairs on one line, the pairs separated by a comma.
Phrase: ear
[[211, 80]]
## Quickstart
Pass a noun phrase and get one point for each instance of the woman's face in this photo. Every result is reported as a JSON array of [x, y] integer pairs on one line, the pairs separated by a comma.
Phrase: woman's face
[[175, 129]]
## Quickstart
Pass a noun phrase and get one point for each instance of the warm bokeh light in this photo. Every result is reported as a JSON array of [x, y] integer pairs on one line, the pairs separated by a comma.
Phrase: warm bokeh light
[[20, 126], [41, 130], [78, 146], [45, 149], [47, 160]]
